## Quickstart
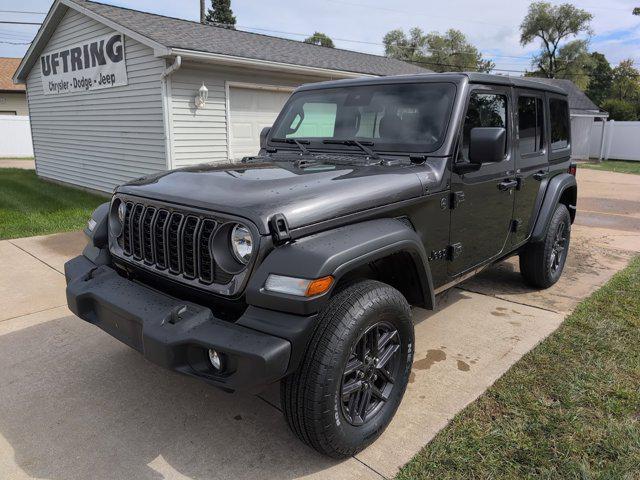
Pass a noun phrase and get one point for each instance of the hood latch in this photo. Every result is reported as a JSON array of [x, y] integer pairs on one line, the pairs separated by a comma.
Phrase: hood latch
[[279, 228]]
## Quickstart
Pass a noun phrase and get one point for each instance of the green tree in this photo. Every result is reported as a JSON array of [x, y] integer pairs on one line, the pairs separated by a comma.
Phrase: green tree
[[446, 52], [620, 110], [409, 48], [600, 78], [552, 25], [636, 11], [626, 82], [319, 38], [221, 14], [452, 52]]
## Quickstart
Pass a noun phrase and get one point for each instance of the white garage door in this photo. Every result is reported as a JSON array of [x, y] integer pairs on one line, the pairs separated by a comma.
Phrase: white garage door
[[250, 111]]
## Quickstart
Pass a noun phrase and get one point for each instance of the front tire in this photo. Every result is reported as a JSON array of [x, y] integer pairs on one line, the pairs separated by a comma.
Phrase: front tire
[[541, 263], [355, 371]]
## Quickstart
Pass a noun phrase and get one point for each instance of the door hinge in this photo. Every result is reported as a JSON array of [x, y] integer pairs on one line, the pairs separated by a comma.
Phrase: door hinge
[[454, 251], [515, 225], [279, 228], [456, 199]]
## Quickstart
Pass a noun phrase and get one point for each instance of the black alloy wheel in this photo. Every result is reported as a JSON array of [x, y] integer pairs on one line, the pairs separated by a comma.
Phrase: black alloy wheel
[[559, 248], [354, 372], [542, 262], [370, 373]]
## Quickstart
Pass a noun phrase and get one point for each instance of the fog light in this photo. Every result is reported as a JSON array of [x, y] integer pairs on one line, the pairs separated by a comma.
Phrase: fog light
[[215, 359]]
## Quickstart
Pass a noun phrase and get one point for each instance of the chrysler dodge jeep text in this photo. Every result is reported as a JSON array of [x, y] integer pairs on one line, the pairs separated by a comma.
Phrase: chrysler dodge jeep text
[[300, 264]]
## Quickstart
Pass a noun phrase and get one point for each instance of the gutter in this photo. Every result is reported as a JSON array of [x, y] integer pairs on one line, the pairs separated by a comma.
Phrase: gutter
[[167, 117], [265, 64]]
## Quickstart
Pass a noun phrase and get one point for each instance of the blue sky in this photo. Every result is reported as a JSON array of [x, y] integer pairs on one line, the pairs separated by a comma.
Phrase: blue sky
[[492, 25]]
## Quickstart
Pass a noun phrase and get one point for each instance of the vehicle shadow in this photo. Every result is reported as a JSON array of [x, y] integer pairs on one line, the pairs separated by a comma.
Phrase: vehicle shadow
[[78, 404]]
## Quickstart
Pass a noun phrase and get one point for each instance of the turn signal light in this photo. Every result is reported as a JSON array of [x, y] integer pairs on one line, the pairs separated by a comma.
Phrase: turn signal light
[[573, 168], [301, 287], [318, 286]]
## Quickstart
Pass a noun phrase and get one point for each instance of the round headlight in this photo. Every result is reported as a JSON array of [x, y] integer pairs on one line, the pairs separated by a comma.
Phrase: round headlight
[[122, 212], [241, 243]]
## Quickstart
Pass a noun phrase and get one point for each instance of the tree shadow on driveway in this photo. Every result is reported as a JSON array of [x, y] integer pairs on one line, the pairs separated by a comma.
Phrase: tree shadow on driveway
[[78, 404]]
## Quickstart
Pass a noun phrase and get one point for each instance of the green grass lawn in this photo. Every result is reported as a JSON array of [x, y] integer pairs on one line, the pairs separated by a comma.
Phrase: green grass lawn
[[620, 166], [14, 158], [568, 409], [30, 206]]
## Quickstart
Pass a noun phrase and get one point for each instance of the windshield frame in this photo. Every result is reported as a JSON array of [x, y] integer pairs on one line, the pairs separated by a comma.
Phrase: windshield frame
[[317, 143]]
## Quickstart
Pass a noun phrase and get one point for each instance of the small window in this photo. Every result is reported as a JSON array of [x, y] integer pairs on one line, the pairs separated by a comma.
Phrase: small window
[[7, 112], [317, 120], [559, 111], [530, 125], [485, 110]]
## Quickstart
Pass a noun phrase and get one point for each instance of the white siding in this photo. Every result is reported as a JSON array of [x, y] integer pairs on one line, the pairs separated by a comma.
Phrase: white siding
[[201, 135], [99, 139], [15, 103]]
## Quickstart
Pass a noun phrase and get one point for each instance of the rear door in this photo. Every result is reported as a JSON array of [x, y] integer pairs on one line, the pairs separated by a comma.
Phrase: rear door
[[482, 206], [531, 161]]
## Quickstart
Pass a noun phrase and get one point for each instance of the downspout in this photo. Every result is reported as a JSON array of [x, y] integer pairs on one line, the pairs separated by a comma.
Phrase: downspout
[[166, 108], [177, 63]]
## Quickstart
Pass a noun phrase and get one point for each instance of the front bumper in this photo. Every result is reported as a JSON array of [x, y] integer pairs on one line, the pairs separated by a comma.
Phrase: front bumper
[[177, 335]]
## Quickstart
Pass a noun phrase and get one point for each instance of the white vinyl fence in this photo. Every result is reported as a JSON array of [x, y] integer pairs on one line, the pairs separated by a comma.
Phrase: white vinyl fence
[[621, 141], [15, 136]]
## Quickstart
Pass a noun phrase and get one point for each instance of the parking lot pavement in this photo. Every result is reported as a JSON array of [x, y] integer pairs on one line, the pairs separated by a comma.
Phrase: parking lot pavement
[[78, 404]]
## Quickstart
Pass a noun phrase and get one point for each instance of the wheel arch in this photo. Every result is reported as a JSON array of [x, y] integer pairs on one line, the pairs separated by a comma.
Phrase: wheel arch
[[562, 189], [373, 249]]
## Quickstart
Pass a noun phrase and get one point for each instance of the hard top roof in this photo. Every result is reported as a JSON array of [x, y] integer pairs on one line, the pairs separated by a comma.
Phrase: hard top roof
[[454, 77]]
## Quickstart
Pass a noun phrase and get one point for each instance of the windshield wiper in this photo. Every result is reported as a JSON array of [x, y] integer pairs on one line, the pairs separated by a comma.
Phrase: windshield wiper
[[364, 146], [300, 143]]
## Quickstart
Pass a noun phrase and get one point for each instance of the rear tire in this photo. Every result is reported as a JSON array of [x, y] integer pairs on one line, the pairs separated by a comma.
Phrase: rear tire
[[334, 401], [541, 263]]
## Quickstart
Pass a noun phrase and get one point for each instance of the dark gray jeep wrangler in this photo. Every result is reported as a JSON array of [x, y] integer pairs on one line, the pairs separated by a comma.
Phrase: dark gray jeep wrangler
[[300, 264]]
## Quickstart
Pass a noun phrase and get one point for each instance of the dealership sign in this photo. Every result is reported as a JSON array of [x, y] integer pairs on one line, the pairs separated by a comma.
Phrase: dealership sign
[[90, 65]]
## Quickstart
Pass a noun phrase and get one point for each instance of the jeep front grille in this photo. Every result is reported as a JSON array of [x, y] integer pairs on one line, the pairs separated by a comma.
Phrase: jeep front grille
[[172, 241]]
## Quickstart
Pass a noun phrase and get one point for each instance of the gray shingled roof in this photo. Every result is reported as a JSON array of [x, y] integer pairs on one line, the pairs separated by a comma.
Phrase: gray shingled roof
[[578, 100], [177, 33]]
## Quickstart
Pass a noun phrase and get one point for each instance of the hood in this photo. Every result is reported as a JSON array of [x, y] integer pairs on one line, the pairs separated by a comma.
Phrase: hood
[[304, 195]]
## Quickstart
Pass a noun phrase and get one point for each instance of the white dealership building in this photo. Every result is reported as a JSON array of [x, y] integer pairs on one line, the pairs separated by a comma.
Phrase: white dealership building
[[115, 93]]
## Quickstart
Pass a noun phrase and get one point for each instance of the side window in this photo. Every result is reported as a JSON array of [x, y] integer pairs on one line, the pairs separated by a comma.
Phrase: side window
[[485, 110], [530, 124], [559, 111], [317, 120]]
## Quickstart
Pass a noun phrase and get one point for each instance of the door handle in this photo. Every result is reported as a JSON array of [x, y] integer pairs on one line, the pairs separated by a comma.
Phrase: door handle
[[507, 185], [541, 175]]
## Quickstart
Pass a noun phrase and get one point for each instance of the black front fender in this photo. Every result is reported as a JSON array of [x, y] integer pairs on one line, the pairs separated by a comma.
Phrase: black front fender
[[337, 252]]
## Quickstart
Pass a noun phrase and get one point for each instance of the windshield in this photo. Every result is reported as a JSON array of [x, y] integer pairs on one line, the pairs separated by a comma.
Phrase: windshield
[[410, 117]]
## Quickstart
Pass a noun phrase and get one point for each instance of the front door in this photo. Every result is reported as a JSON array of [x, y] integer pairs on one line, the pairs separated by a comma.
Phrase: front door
[[531, 161], [482, 199]]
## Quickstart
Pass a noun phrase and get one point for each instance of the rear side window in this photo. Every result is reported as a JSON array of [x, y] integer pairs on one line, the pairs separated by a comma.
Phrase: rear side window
[[485, 110], [530, 124], [559, 111]]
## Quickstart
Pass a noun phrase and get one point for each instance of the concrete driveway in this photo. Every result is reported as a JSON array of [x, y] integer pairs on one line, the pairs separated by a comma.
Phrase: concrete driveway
[[77, 404], [22, 163]]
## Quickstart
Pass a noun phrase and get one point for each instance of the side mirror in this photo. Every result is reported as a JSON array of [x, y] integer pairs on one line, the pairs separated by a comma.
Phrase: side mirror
[[263, 137], [487, 144]]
